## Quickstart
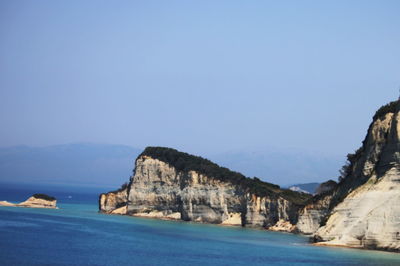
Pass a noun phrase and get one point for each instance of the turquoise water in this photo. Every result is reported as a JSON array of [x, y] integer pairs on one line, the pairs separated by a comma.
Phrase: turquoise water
[[77, 235]]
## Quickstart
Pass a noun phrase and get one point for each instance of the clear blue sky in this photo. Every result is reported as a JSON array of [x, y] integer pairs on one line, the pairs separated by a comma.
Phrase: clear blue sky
[[200, 76]]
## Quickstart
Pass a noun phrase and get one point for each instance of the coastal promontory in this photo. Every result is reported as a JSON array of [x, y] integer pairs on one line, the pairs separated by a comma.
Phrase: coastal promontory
[[361, 210], [169, 184]]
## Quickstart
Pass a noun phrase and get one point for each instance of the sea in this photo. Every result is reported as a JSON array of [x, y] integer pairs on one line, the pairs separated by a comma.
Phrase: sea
[[77, 234]]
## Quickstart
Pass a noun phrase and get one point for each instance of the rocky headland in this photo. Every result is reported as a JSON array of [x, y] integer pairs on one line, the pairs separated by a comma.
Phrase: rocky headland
[[169, 184], [35, 201], [362, 210]]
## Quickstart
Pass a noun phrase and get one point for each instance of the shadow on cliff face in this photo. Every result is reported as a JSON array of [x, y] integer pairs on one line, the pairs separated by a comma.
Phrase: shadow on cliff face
[[369, 243]]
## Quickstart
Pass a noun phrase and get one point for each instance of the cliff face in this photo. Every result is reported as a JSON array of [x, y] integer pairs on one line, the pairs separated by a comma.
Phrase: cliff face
[[313, 214], [114, 202], [34, 202], [159, 190], [363, 210]]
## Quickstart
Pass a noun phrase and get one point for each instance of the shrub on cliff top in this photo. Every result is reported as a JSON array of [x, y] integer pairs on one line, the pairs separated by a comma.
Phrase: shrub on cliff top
[[388, 108], [185, 162], [43, 196]]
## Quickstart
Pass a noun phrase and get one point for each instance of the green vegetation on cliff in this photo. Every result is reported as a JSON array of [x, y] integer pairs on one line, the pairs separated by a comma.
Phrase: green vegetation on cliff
[[387, 108], [186, 162], [43, 196], [348, 180]]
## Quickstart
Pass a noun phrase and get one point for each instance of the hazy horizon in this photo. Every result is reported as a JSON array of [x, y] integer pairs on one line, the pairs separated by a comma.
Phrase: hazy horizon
[[107, 165]]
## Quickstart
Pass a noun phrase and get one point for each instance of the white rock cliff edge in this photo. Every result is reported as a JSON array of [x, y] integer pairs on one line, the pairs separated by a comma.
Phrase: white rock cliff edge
[[363, 211], [159, 190]]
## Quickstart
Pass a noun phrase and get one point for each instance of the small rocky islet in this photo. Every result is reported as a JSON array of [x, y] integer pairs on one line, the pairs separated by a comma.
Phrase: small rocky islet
[[360, 211], [35, 201]]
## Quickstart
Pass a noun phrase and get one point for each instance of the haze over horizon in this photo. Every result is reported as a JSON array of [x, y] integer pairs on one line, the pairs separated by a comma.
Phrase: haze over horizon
[[107, 165], [204, 78]]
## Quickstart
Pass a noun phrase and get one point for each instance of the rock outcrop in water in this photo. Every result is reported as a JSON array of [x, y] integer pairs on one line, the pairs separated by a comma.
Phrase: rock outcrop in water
[[363, 210], [168, 184], [36, 201]]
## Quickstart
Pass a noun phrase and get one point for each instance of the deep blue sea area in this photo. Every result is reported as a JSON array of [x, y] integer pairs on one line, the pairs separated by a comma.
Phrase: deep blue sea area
[[76, 234]]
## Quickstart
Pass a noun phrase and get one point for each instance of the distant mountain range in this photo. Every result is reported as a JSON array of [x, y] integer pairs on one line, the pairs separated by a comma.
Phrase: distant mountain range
[[111, 165], [85, 164], [282, 167]]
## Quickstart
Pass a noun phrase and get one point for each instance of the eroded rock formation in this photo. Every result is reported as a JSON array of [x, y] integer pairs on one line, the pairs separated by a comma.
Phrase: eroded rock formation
[[168, 184], [363, 210]]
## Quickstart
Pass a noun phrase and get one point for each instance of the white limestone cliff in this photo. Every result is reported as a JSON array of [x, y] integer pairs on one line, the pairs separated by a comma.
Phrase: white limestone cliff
[[158, 190], [369, 215], [363, 210]]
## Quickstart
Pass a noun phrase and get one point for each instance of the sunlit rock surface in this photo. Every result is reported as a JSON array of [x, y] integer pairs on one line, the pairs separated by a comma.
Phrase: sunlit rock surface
[[36, 201], [159, 190], [363, 211]]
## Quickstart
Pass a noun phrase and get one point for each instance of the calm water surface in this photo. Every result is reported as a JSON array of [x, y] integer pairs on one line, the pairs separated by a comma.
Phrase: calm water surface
[[77, 235]]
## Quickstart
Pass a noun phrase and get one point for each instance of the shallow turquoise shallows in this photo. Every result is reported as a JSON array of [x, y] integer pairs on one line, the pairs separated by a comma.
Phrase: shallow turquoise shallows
[[77, 235]]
